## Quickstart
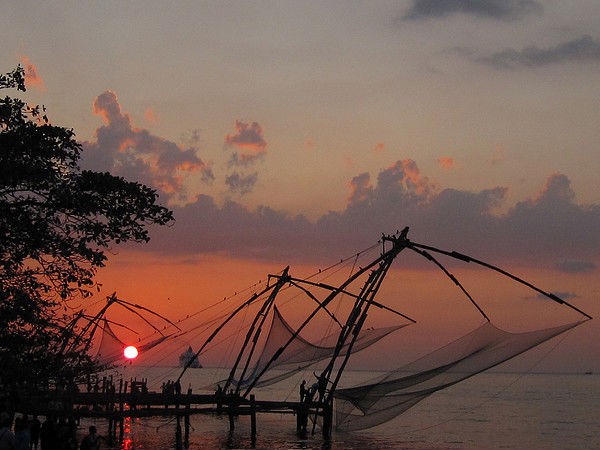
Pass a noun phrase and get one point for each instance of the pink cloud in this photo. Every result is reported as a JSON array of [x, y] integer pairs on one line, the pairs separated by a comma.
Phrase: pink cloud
[[250, 138], [348, 161], [544, 230], [498, 155], [360, 188], [406, 174], [32, 76], [379, 147], [136, 154], [151, 116], [557, 188], [446, 162]]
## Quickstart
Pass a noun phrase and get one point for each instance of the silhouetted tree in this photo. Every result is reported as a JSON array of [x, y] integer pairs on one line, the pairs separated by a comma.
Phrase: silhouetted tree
[[56, 223]]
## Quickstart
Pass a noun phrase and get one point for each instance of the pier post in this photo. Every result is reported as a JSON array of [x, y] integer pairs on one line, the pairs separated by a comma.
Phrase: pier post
[[252, 419], [298, 420], [186, 440], [121, 395], [178, 445], [230, 412], [327, 420]]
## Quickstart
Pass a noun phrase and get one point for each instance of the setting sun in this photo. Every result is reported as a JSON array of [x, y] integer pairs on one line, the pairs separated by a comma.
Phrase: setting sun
[[130, 352]]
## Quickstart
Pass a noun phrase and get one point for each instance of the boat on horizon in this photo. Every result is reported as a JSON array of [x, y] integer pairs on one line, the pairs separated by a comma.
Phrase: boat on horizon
[[189, 359]]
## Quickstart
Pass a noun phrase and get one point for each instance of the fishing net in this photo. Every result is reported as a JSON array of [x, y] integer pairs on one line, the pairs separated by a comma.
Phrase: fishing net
[[111, 347], [301, 353], [382, 399]]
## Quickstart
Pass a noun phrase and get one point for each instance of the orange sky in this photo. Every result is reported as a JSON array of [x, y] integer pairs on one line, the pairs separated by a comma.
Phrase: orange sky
[[178, 289], [296, 133]]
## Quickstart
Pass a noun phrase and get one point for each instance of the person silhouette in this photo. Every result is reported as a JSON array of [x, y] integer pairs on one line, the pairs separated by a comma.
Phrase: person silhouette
[[34, 431], [7, 438], [303, 390], [91, 441]]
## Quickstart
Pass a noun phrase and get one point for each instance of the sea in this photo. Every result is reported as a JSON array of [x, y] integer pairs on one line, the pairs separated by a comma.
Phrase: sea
[[488, 411]]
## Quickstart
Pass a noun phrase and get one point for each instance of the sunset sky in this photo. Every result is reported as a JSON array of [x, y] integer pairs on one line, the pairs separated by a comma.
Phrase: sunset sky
[[297, 132]]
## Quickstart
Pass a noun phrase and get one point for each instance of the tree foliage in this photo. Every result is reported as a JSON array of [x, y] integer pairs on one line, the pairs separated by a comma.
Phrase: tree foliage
[[56, 224]]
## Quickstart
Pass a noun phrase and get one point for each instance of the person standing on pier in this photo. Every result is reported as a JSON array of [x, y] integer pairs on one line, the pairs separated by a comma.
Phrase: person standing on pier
[[303, 390], [48, 440], [34, 432], [321, 384], [22, 436], [7, 438], [91, 441]]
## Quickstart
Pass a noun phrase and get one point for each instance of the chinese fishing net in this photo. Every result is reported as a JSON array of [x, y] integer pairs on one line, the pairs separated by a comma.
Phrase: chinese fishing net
[[301, 353], [111, 347], [382, 399]]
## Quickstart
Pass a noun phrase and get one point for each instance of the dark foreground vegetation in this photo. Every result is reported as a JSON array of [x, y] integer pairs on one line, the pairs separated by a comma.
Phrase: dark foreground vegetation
[[57, 222]]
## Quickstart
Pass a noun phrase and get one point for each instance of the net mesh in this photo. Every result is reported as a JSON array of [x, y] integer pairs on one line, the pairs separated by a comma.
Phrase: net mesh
[[301, 353], [382, 399], [110, 349]]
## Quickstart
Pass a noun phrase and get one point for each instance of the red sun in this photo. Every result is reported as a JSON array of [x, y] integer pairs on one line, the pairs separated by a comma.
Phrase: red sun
[[130, 352]]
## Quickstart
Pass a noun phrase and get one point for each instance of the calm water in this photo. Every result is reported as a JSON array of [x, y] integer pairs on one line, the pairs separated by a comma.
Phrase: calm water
[[492, 411]]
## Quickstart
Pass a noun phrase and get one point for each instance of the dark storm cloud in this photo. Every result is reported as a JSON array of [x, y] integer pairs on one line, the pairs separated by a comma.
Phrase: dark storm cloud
[[584, 49], [489, 9], [538, 231], [574, 266]]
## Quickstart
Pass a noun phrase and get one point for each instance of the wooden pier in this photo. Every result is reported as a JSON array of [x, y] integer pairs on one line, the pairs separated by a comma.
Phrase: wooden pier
[[132, 400]]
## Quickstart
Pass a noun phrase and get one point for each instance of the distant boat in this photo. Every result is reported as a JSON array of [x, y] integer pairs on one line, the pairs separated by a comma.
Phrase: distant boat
[[188, 356]]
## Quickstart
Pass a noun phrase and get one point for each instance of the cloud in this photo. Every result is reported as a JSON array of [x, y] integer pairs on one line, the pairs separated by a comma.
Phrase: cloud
[[379, 147], [360, 188], [498, 155], [248, 137], [151, 116], [584, 49], [32, 76], [490, 9], [446, 162], [404, 177], [241, 184], [548, 227], [556, 190], [574, 266], [232, 229], [136, 154]]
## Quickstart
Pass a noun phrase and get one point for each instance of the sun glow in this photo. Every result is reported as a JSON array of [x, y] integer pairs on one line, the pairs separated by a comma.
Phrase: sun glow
[[130, 352]]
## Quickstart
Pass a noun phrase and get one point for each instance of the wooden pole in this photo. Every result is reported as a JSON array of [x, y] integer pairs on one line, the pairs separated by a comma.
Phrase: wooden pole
[[186, 441], [327, 420], [121, 395], [230, 412], [178, 445], [252, 419]]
